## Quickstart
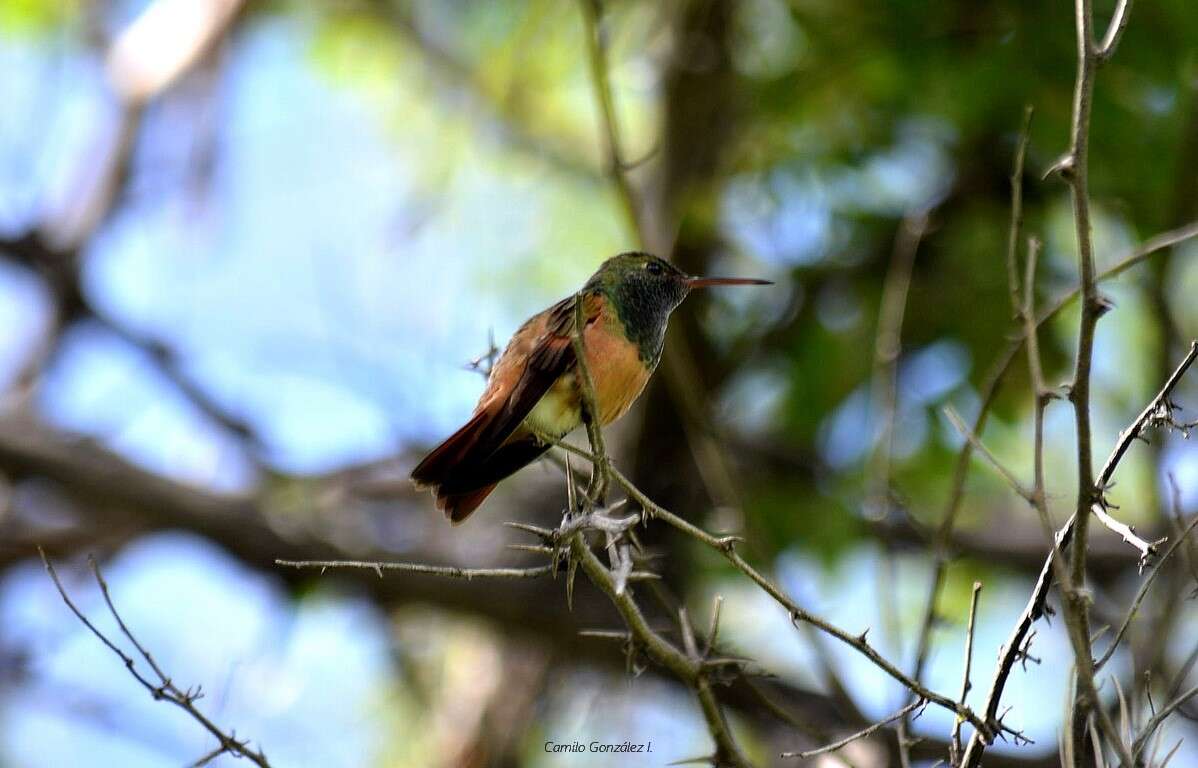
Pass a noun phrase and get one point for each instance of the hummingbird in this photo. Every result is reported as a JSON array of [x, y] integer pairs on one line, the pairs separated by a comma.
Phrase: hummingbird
[[534, 390]]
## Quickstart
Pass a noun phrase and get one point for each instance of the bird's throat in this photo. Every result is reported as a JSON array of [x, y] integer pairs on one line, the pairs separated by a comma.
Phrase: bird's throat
[[644, 318]]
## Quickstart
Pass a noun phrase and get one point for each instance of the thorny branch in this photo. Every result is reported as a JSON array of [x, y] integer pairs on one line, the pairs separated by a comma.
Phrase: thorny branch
[[162, 688], [726, 546], [918, 704], [1015, 649], [1074, 169], [966, 683]]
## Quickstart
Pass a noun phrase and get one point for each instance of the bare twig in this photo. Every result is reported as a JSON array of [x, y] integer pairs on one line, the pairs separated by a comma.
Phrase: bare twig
[[1017, 211], [1002, 364], [448, 571], [1156, 720], [688, 670], [1143, 591], [887, 348], [1074, 169], [917, 704], [161, 689], [1114, 31], [609, 123], [1006, 474], [966, 685]]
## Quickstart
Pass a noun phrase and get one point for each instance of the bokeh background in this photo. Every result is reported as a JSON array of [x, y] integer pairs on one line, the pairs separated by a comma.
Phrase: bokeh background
[[248, 249]]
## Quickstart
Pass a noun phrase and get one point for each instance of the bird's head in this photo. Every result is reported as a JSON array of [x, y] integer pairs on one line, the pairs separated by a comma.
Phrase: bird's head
[[644, 290], [650, 283]]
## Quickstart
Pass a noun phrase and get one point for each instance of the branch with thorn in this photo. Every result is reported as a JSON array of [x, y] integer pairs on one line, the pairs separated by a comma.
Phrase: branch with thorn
[[918, 704], [156, 682], [1015, 648]]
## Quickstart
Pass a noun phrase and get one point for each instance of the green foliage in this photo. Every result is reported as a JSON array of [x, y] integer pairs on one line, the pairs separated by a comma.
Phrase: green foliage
[[35, 17]]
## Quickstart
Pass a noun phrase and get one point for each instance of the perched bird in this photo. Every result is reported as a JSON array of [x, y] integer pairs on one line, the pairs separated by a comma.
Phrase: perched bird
[[534, 387]]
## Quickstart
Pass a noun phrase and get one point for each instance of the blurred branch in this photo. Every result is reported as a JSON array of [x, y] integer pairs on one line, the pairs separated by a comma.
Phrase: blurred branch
[[510, 120], [978, 446], [1141, 739], [884, 383], [944, 533], [61, 272], [167, 40], [1017, 211], [887, 349], [163, 689], [609, 122]]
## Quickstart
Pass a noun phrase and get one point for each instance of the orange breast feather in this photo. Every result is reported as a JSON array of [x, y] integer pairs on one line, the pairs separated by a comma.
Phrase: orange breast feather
[[616, 368]]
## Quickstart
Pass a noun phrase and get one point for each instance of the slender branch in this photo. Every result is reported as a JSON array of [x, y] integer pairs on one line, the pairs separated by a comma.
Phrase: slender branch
[[1143, 591], [164, 689], [966, 685], [1006, 474], [902, 713], [1017, 211], [1155, 722], [609, 123], [689, 670], [726, 546], [887, 348], [432, 570], [1074, 168], [1002, 364]]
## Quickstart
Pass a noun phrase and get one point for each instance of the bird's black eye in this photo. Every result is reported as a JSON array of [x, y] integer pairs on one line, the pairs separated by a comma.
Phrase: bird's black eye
[[654, 268]]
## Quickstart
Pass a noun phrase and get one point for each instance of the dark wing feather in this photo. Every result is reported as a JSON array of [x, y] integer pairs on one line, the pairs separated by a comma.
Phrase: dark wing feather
[[462, 455], [552, 356]]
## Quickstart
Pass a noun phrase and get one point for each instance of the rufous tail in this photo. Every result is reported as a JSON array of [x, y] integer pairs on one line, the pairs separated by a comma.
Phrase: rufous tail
[[464, 469]]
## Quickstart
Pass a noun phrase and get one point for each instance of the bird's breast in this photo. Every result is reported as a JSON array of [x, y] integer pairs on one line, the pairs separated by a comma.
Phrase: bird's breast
[[617, 372]]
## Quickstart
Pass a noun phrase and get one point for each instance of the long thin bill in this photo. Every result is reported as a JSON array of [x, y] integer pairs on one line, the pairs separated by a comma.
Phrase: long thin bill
[[704, 282]]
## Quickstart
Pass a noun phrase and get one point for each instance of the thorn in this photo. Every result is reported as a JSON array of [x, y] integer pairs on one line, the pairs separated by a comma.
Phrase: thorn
[[540, 549], [1063, 167], [728, 543], [571, 572], [605, 634], [535, 530]]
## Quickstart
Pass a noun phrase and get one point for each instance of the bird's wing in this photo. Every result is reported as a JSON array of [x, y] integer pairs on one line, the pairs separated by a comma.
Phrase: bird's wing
[[538, 365], [538, 354]]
